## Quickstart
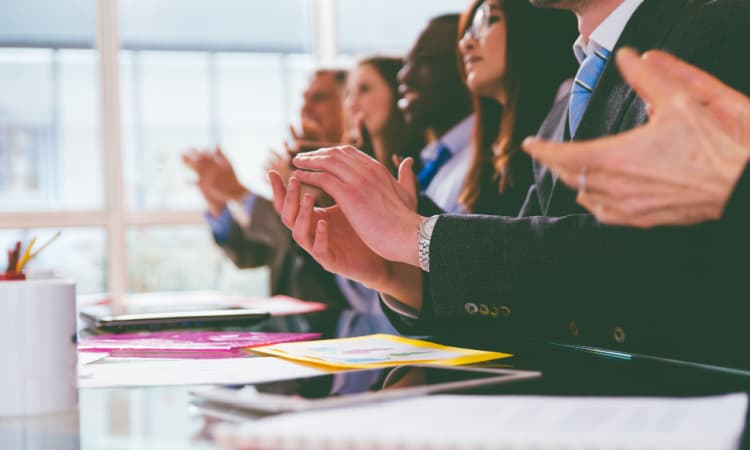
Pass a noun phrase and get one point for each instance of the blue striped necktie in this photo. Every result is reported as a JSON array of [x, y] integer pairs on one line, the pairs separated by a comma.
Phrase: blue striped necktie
[[586, 78], [431, 168]]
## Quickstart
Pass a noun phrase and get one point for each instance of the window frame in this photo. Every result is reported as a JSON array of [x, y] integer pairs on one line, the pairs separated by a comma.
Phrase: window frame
[[114, 217]]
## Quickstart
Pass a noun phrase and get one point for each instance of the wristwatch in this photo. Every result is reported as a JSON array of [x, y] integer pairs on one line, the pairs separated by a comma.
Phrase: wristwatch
[[423, 241]]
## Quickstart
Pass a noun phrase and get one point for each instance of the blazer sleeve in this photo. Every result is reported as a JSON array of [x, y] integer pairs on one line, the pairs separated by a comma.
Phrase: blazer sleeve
[[571, 277], [262, 241]]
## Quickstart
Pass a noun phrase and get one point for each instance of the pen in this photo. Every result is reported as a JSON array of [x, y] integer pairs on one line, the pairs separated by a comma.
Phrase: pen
[[46, 244]]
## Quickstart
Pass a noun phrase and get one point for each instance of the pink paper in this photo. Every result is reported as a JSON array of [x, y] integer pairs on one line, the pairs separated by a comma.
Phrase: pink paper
[[186, 344]]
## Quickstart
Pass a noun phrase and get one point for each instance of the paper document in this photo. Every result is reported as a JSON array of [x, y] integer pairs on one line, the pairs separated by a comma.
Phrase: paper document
[[377, 350], [505, 422], [126, 372]]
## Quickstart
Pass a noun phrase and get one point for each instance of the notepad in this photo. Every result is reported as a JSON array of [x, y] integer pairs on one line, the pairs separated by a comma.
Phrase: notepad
[[456, 422], [377, 350], [186, 344]]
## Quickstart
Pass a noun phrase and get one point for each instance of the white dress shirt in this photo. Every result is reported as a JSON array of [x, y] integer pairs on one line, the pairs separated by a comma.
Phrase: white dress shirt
[[446, 186], [607, 33]]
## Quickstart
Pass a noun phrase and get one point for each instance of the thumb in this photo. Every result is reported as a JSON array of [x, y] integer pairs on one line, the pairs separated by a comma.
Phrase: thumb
[[408, 180]]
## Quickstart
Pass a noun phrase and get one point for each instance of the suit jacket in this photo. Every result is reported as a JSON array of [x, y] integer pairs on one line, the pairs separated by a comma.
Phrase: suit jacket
[[555, 273], [267, 242]]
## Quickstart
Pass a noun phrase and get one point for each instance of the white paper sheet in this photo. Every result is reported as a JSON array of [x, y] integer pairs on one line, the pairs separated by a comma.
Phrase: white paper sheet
[[124, 372], [506, 422]]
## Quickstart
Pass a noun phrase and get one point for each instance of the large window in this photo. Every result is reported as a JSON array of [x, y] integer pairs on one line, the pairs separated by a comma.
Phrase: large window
[[386, 26], [98, 155]]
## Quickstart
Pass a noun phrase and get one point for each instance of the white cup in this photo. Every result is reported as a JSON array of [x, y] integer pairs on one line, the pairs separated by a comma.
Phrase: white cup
[[38, 372]]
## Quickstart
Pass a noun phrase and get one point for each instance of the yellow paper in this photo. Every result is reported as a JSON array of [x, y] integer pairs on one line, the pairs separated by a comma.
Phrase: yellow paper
[[376, 350]]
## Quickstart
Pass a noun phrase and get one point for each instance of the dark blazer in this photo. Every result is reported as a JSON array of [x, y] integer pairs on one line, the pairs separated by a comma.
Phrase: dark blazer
[[267, 242], [556, 273]]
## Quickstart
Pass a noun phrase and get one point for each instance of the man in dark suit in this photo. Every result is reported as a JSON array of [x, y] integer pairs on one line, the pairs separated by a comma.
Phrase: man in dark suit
[[555, 272]]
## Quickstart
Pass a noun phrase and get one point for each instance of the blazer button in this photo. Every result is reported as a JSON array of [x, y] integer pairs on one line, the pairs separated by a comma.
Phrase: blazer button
[[471, 308], [618, 334], [573, 329], [505, 311], [484, 310]]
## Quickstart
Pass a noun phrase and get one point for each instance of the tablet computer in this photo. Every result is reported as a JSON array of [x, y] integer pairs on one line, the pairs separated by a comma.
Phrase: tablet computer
[[354, 387], [174, 319]]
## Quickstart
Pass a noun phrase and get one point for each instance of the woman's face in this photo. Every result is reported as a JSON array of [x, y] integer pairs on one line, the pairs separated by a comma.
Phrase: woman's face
[[370, 100], [483, 50]]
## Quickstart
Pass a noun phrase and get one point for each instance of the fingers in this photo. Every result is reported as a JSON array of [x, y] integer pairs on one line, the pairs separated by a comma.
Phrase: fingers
[[702, 85], [320, 250], [341, 162], [406, 177], [407, 180], [290, 208], [303, 231], [188, 159], [279, 191], [573, 156], [325, 181], [648, 207], [651, 84]]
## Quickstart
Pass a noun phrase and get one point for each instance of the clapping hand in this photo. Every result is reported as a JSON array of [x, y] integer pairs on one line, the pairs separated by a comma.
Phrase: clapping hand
[[679, 168], [217, 179]]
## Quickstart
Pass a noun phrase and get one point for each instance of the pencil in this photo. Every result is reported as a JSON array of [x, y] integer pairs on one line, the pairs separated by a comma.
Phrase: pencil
[[26, 255]]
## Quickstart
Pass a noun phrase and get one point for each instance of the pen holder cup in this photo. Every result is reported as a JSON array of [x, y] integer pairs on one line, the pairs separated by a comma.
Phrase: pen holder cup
[[37, 347]]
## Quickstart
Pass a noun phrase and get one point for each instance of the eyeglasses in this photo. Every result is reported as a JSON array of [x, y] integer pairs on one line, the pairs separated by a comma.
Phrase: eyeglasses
[[481, 22]]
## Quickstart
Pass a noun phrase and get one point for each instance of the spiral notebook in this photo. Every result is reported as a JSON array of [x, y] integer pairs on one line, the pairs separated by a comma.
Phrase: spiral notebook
[[455, 422]]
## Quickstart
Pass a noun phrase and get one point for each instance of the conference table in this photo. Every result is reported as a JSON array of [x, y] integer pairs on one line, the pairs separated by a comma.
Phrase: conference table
[[164, 418]]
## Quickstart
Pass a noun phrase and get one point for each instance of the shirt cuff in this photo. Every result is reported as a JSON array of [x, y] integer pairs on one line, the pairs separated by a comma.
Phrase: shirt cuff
[[242, 210], [221, 225], [398, 307]]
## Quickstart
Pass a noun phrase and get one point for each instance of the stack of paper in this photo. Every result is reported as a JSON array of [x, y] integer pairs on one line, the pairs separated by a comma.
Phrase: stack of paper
[[504, 422]]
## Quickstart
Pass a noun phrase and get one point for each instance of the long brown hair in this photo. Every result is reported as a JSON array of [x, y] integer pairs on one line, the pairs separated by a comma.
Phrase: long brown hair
[[538, 59], [398, 137]]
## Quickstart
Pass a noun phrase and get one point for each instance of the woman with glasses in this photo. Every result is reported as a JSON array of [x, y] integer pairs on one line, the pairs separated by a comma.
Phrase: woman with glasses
[[514, 59]]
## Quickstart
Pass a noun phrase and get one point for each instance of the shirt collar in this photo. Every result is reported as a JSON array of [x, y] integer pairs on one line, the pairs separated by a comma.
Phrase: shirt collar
[[455, 139], [606, 35]]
